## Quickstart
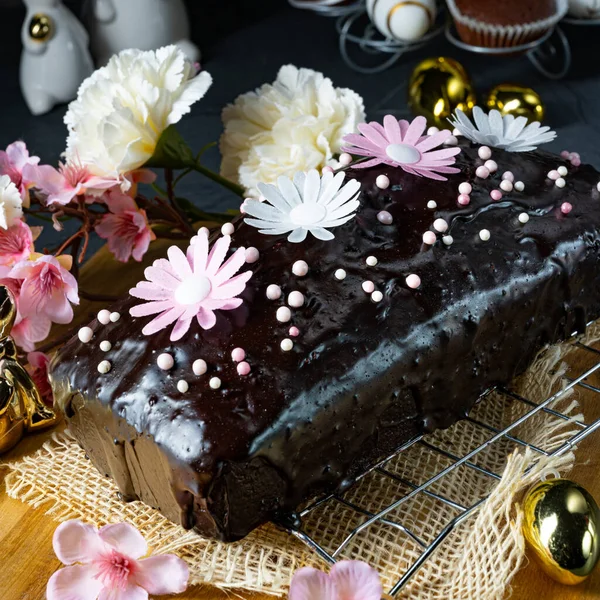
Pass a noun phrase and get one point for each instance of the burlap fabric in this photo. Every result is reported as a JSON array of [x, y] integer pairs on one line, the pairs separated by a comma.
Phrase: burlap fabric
[[477, 560]]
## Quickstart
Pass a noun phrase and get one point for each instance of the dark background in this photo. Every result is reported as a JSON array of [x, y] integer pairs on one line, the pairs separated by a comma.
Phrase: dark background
[[244, 42]]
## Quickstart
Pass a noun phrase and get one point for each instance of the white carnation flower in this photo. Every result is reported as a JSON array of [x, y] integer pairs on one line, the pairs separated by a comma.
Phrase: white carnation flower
[[122, 109], [507, 133], [295, 124], [10, 203]]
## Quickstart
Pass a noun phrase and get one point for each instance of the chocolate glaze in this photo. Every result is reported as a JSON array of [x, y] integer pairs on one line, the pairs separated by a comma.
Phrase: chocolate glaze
[[363, 377]]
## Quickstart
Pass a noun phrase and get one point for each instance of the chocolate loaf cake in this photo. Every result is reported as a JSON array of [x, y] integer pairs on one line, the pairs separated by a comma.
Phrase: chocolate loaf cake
[[391, 337]]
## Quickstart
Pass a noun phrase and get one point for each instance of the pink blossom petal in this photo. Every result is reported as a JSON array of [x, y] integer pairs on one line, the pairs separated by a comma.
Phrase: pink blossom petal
[[355, 580], [433, 141], [232, 288], [162, 277], [131, 592], [217, 254], [74, 541], [181, 328], [206, 318], [415, 130], [18, 155], [30, 330], [311, 584], [118, 202], [52, 182], [179, 262], [392, 129], [124, 538], [373, 135], [233, 264], [74, 583], [163, 574]]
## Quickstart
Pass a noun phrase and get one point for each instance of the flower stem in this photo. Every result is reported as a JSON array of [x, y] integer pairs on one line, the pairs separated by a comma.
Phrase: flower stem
[[234, 187]]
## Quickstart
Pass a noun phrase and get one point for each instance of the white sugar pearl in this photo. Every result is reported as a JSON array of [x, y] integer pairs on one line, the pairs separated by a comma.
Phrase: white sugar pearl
[[286, 345], [465, 188], [598, 186], [433, 204], [296, 299], [456, 132], [183, 386], [215, 383], [227, 229], [433, 130], [368, 286], [491, 165], [484, 153], [523, 217], [371, 261], [85, 334], [273, 292], [252, 254], [104, 317], [165, 361], [340, 274], [104, 367], [345, 159], [385, 217], [560, 183], [451, 140], [204, 231], [300, 268], [440, 225], [413, 281], [114, 317], [429, 238], [506, 185], [448, 240], [199, 367], [105, 346], [284, 314], [485, 235], [563, 171], [519, 186], [382, 182], [377, 296]]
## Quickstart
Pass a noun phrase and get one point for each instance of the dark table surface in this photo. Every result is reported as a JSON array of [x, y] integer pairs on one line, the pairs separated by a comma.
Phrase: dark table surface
[[244, 42]]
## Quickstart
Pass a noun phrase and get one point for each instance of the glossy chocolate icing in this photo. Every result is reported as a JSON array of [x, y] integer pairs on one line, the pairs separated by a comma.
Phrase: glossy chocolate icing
[[363, 377]]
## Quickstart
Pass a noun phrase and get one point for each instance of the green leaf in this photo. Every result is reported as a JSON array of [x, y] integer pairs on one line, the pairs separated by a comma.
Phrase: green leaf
[[171, 152], [193, 213]]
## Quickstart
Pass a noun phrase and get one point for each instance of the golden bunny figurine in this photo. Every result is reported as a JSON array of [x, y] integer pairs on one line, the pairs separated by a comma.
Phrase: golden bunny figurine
[[22, 409]]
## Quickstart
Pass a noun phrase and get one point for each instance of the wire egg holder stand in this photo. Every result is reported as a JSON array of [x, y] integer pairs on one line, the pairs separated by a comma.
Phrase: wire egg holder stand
[[366, 512]]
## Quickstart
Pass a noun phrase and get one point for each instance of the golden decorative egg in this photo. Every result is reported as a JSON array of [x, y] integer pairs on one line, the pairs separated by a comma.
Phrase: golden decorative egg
[[437, 87], [41, 28], [517, 100], [561, 525]]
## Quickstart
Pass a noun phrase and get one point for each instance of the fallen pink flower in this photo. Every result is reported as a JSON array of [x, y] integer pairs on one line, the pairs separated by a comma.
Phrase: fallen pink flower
[[109, 565], [47, 289], [16, 244], [126, 227], [347, 580], [13, 162], [38, 369]]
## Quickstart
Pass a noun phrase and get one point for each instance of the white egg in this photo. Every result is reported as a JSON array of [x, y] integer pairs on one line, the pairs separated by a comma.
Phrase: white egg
[[404, 21]]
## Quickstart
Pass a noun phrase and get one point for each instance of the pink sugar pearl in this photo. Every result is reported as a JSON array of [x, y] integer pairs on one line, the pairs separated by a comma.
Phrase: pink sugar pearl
[[565, 154], [496, 195], [429, 238], [243, 369], [327, 169], [508, 176], [252, 254], [482, 172], [566, 208], [484, 153], [554, 175], [464, 199], [384, 217], [294, 331], [576, 162], [345, 159], [238, 355], [413, 281], [465, 188], [368, 286], [492, 166]]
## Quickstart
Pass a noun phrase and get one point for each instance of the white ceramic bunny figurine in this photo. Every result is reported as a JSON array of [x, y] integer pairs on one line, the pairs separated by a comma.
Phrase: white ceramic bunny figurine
[[116, 25], [55, 57]]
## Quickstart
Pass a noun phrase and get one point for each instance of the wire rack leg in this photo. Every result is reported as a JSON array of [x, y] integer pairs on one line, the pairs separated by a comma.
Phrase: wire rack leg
[[553, 58]]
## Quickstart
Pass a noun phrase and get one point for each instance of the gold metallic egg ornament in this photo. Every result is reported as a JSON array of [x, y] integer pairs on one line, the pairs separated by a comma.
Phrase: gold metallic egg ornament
[[41, 27], [437, 87], [561, 525], [517, 100]]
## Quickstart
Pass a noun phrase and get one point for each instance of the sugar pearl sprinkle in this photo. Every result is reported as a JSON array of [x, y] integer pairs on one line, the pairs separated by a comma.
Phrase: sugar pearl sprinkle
[[554, 174], [566, 208], [294, 331], [345, 159], [238, 355], [433, 204], [563, 171], [105, 346], [485, 235], [464, 199], [273, 292], [440, 225], [491, 166], [598, 186], [300, 268], [429, 238], [451, 140], [243, 369], [384, 217], [340, 274], [199, 367], [286, 344], [560, 183], [227, 229], [448, 240], [371, 261], [85, 334], [165, 361], [104, 367], [519, 186], [482, 172], [433, 130], [506, 185], [413, 281], [377, 296], [214, 383], [508, 176], [484, 153], [296, 299], [183, 386], [252, 254], [465, 188], [523, 218], [284, 314], [368, 287], [104, 317], [114, 317], [496, 195], [382, 182]]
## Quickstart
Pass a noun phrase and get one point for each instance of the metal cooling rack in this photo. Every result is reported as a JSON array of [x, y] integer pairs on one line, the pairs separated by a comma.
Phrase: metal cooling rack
[[427, 548]]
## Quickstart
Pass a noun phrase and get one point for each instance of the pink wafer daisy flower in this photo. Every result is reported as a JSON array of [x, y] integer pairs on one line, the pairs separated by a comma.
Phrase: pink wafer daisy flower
[[402, 144], [184, 287]]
